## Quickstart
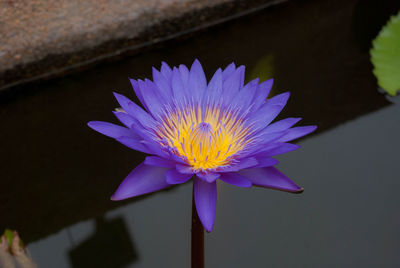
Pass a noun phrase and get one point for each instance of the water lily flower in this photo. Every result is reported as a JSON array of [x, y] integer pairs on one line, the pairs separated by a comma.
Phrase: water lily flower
[[219, 130]]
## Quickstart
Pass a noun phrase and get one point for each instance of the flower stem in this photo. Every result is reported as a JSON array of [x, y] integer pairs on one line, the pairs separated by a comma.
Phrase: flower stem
[[197, 239]]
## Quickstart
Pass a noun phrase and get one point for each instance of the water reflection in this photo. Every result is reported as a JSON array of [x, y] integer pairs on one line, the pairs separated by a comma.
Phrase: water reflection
[[151, 232], [109, 246]]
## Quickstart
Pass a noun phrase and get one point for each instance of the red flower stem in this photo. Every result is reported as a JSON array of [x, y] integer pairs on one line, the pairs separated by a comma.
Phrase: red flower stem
[[197, 239]]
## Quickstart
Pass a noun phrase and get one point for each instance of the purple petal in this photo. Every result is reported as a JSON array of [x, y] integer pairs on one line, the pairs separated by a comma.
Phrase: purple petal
[[142, 180], [266, 162], [176, 158], [270, 177], [184, 74], [235, 179], [125, 118], [178, 88], [246, 94], [263, 116], [162, 84], [261, 94], [208, 176], [205, 197], [174, 177], [260, 150], [184, 169], [136, 88], [297, 132], [265, 137], [228, 70], [151, 97], [134, 144], [280, 99], [282, 124], [232, 84], [166, 71], [214, 88], [159, 162], [197, 80], [282, 149], [134, 110], [124, 102], [111, 130], [244, 163], [154, 147]]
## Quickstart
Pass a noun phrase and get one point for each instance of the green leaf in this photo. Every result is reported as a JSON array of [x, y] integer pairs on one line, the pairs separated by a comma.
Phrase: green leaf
[[9, 235], [385, 56]]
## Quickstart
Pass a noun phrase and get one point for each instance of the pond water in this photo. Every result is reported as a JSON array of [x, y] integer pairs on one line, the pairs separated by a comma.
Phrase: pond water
[[58, 175]]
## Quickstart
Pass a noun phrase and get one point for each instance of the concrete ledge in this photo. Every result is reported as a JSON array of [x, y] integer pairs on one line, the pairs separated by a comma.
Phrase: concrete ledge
[[44, 38]]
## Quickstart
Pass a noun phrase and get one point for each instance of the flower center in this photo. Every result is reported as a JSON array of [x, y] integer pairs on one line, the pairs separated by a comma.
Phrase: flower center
[[205, 138]]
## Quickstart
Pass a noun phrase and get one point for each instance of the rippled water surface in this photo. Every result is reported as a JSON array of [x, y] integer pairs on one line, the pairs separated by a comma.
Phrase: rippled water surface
[[58, 175]]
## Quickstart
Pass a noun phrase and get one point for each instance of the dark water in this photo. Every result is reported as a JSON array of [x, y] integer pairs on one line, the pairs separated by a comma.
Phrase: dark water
[[58, 175]]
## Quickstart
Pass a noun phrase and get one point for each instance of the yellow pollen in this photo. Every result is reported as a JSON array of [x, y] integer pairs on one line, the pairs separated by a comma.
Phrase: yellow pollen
[[205, 139]]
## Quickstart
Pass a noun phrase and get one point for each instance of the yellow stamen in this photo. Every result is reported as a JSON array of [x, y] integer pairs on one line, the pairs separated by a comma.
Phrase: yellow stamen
[[205, 139]]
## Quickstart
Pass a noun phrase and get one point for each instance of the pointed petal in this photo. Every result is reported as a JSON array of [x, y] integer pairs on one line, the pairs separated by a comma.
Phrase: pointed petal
[[235, 179], [111, 130], [262, 93], [166, 71], [280, 99], [297, 132], [272, 178], [228, 70], [152, 98], [246, 94], [124, 102], [282, 124], [184, 74], [142, 180], [134, 110], [138, 92], [205, 197], [163, 85], [214, 88], [178, 88], [197, 80], [159, 162], [282, 149], [232, 84], [174, 177]]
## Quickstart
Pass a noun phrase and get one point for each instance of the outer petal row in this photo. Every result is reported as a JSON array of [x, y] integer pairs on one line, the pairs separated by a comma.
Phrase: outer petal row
[[146, 179]]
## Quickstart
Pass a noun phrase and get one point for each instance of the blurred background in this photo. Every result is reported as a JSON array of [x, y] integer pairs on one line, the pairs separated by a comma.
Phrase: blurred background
[[61, 61]]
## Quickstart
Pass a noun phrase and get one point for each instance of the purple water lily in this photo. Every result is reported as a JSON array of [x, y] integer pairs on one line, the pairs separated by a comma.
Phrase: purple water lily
[[191, 129]]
